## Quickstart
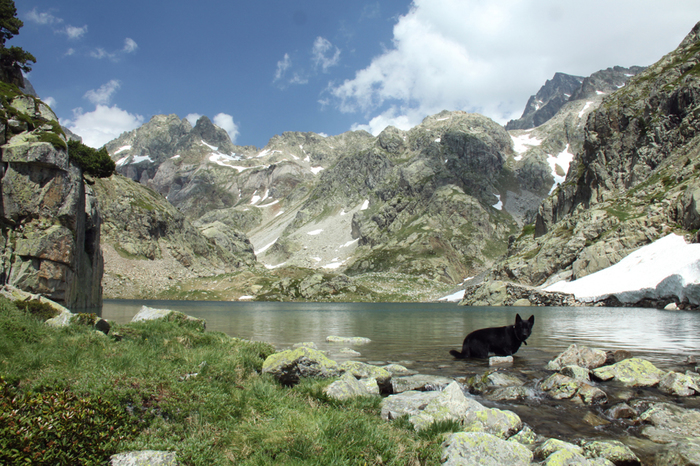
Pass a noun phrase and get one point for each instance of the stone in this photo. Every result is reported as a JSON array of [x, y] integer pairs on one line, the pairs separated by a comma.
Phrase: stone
[[362, 370], [500, 360], [671, 307], [449, 404], [511, 394], [406, 403], [633, 372], [595, 421], [613, 450], [576, 372], [552, 445], [621, 411], [560, 387], [148, 313], [522, 302], [419, 382], [669, 422], [348, 340], [483, 449], [499, 422], [502, 379], [677, 384], [684, 452], [307, 344], [346, 387], [144, 458], [581, 356], [290, 366], [398, 370]]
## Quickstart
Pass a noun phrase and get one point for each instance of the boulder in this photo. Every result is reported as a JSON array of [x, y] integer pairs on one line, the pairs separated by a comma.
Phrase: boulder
[[346, 387], [669, 422], [576, 372], [677, 384], [449, 404], [552, 446], [419, 382], [633, 372], [560, 387], [361, 370], [150, 313], [581, 356], [290, 366], [500, 360], [483, 449], [144, 458], [406, 403], [612, 450], [684, 452], [621, 411], [397, 370]]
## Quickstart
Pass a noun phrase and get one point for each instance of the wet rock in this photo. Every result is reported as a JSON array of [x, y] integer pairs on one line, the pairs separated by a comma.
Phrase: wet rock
[[526, 436], [617, 356], [621, 411], [483, 449], [348, 340], [499, 422], [510, 394], [670, 423], [595, 421], [305, 344], [581, 356], [634, 372], [449, 404], [682, 453], [347, 387], [366, 371], [678, 384], [561, 387], [500, 360], [349, 351], [406, 403], [291, 365], [419, 382], [613, 450], [502, 379], [149, 313], [576, 372], [144, 458], [397, 370], [552, 446]]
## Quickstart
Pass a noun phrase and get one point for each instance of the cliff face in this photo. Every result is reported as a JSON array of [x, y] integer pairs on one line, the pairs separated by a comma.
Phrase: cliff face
[[49, 219]]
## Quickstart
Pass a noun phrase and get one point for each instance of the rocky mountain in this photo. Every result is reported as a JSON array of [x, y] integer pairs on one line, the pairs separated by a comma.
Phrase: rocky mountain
[[563, 88], [634, 179], [49, 218]]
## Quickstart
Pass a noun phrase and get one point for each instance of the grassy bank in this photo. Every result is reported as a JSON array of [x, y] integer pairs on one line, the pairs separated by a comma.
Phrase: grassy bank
[[75, 396]]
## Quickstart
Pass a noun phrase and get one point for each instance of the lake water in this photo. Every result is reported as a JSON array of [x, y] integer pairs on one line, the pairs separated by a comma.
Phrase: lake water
[[420, 335]]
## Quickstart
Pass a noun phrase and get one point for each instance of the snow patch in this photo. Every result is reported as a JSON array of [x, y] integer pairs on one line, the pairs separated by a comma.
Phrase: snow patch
[[122, 149], [334, 265], [175, 157], [216, 149], [316, 170], [272, 267], [350, 243], [585, 107], [276, 201], [266, 247], [140, 158], [667, 267], [122, 161], [246, 298], [523, 143], [438, 140], [454, 297], [315, 232], [499, 204], [365, 205], [225, 160], [563, 160], [600, 92]]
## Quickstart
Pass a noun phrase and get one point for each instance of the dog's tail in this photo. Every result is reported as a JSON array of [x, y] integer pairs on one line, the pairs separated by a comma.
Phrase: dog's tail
[[458, 355]]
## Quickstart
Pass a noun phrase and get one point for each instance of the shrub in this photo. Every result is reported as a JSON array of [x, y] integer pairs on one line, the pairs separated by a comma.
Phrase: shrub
[[42, 311], [94, 162]]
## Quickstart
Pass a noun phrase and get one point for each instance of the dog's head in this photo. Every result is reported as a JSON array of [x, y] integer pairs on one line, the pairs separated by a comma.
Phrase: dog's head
[[523, 328]]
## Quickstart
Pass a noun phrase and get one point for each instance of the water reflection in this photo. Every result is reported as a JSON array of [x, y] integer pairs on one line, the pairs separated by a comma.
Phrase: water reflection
[[424, 333]]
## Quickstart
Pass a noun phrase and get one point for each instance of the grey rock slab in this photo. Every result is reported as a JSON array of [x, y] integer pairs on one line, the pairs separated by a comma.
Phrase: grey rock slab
[[419, 382], [479, 448], [406, 403], [290, 366], [144, 458], [581, 356], [670, 422], [348, 340], [347, 387], [633, 372], [677, 384]]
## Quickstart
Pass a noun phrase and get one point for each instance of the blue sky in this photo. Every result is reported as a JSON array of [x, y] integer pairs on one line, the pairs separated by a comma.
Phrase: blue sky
[[260, 68]]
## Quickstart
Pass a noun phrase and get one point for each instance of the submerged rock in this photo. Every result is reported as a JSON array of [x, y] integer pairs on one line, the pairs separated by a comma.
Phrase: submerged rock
[[483, 449], [348, 340]]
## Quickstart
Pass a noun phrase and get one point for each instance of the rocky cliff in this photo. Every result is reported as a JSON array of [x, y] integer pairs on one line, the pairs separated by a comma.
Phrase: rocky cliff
[[634, 179], [50, 222]]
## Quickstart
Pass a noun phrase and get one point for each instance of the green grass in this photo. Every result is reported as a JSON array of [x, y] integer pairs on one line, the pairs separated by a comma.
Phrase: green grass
[[141, 389]]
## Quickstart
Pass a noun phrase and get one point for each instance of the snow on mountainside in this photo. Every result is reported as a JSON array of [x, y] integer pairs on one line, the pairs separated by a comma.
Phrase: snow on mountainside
[[666, 268]]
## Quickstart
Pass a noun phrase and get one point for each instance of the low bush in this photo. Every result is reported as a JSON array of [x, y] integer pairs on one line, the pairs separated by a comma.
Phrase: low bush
[[95, 162]]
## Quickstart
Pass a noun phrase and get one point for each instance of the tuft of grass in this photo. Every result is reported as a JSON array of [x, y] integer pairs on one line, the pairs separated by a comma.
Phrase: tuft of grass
[[167, 385]]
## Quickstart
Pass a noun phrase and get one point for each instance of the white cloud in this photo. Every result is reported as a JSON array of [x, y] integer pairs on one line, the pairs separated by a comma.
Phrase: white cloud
[[225, 122], [489, 57], [320, 54], [102, 125], [130, 45], [50, 101], [75, 32], [193, 117], [282, 67], [42, 18], [103, 95]]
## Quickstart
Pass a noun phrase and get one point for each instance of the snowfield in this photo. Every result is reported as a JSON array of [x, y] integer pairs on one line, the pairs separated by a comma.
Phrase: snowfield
[[668, 267]]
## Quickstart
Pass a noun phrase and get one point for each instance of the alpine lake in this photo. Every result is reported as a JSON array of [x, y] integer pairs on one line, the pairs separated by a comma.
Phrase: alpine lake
[[419, 336]]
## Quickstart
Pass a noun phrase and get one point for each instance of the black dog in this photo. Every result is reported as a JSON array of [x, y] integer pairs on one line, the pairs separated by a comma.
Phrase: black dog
[[502, 341]]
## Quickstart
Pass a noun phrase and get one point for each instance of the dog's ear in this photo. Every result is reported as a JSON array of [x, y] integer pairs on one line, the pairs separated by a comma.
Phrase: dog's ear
[[518, 319], [532, 320]]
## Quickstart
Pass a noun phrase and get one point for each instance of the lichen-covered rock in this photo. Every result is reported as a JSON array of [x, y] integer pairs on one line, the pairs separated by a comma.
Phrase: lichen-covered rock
[[290, 366], [419, 382], [149, 313], [677, 384], [552, 445], [397, 370], [560, 387], [684, 452], [144, 458], [576, 372], [449, 404], [499, 422], [613, 450], [346, 387], [362, 370], [581, 356], [483, 449], [406, 403], [669, 422], [633, 372]]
